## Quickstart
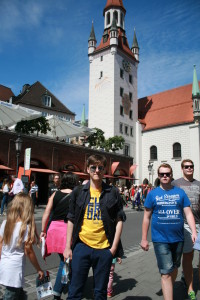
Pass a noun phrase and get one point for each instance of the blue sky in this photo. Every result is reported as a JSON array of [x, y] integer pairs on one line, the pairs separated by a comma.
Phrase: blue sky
[[47, 40]]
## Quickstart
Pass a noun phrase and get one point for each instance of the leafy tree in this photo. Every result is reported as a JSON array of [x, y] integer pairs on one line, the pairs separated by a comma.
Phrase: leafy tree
[[96, 139], [37, 125], [114, 143]]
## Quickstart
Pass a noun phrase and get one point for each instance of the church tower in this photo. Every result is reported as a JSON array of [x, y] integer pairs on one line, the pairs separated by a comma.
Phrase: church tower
[[113, 78]]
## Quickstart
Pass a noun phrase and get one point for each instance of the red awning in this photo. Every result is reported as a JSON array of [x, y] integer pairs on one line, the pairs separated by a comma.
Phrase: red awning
[[108, 176], [114, 166], [2, 167], [132, 169], [80, 174], [43, 170], [126, 177]]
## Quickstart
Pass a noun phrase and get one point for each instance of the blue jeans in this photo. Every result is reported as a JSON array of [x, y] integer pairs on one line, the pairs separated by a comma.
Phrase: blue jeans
[[83, 258], [168, 256], [4, 201], [13, 293], [58, 286]]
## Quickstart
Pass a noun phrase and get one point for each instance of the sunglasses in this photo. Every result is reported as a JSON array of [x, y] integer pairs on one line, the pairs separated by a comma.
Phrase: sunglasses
[[187, 167], [164, 174], [94, 168]]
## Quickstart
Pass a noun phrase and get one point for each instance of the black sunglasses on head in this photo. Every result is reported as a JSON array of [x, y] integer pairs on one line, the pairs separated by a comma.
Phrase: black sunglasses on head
[[167, 174]]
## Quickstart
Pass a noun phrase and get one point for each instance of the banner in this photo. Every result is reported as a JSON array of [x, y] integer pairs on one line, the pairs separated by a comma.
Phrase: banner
[[27, 159]]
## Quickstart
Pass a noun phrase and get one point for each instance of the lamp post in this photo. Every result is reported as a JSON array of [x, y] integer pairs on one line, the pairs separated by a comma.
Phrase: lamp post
[[18, 147], [150, 167]]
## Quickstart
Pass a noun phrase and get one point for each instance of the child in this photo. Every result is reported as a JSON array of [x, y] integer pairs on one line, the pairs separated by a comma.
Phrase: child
[[17, 235], [110, 282]]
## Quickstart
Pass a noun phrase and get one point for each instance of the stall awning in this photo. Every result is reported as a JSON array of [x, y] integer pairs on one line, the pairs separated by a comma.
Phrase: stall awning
[[132, 169], [2, 167], [28, 172], [114, 166], [108, 176], [43, 170], [126, 177], [80, 174]]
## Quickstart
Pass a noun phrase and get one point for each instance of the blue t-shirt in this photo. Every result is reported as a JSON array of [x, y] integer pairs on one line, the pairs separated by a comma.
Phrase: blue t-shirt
[[167, 217]]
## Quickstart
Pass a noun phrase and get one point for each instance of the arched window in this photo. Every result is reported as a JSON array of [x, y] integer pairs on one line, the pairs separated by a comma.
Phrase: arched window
[[122, 19], [108, 18], [153, 153], [116, 16], [177, 150]]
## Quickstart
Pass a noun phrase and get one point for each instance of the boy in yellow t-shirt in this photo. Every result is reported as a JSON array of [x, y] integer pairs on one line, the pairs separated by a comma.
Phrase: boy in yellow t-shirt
[[96, 219]]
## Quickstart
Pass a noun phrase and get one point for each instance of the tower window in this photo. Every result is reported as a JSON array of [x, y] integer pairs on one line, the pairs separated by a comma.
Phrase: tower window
[[130, 79], [121, 110], [131, 114], [120, 127], [126, 150], [177, 150], [122, 19], [116, 16], [122, 73], [108, 18], [153, 153], [131, 96], [131, 131], [101, 74], [121, 91], [101, 58], [126, 130]]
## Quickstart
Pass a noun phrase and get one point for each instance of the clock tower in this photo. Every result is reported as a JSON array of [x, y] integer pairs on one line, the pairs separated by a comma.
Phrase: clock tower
[[113, 78]]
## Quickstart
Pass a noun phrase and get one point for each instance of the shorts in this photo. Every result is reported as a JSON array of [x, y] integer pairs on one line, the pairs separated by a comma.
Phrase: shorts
[[188, 244], [168, 256]]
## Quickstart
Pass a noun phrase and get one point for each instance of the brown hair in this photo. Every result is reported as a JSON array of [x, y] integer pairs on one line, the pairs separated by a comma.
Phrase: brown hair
[[21, 209], [165, 166], [186, 160], [96, 159]]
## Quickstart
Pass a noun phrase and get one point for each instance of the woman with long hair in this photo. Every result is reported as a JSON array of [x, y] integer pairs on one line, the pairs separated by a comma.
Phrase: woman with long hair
[[17, 235], [57, 208]]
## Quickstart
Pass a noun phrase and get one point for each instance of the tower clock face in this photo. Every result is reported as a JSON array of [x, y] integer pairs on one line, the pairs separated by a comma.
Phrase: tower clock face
[[126, 65]]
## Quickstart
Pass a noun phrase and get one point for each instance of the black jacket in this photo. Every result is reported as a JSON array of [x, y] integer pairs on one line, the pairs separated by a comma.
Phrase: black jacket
[[111, 211]]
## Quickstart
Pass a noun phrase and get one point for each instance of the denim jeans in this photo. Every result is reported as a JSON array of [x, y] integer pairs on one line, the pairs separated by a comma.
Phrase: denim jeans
[[12, 293], [83, 258], [168, 256], [4, 201], [58, 286]]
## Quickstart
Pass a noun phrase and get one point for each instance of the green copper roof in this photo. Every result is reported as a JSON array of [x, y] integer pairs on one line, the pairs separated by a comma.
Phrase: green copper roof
[[195, 86], [83, 120], [92, 34], [135, 42]]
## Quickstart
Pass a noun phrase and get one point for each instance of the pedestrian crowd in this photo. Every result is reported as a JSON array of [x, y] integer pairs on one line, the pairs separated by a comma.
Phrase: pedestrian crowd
[[83, 223]]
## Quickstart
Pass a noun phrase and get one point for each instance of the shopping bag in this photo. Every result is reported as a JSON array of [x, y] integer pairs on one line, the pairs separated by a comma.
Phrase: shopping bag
[[43, 286]]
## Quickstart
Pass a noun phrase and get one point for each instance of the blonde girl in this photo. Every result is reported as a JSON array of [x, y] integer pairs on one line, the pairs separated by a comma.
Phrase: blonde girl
[[17, 235]]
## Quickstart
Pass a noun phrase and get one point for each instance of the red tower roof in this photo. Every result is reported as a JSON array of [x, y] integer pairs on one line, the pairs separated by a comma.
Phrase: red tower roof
[[114, 3]]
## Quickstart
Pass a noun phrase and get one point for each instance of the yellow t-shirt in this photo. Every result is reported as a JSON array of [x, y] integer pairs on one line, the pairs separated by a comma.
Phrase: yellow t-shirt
[[92, 231]]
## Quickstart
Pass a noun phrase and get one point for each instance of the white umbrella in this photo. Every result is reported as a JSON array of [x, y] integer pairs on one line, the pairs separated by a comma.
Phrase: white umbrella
[[10, 114], [62, 128]]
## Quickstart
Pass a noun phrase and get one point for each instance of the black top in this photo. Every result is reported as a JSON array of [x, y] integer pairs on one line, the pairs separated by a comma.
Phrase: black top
[[52, 188], [60, 206]]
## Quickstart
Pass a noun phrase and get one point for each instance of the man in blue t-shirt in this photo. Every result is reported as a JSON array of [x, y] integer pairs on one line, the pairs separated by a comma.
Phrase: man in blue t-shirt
[[166, 205]]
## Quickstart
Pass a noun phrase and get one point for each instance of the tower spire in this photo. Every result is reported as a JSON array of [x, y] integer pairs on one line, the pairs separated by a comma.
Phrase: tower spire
[[135, 48], [92, 42], [196, 96], [83, 120]]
